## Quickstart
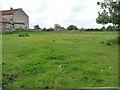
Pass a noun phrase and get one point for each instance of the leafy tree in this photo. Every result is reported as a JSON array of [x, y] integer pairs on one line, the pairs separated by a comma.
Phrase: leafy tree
[[110, 28], [44, 29], [103, 28], [110, 12], [37, 27], [50, 29], [72, 27]]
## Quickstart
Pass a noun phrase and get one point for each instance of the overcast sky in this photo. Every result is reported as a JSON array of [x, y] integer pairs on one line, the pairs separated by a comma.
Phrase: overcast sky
[[46, 13]]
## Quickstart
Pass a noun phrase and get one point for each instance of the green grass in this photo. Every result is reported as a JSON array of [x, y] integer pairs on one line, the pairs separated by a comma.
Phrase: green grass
[[59, 60], [0, 60]]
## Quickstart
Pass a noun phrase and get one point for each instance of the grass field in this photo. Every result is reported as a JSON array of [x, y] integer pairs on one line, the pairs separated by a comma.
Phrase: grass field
[[59, 60]]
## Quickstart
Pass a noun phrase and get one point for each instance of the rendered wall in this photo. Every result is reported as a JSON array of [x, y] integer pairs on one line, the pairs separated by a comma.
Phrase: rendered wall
[[21, 17]]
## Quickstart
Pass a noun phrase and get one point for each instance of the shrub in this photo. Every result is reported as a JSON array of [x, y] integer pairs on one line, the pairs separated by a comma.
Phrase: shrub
[[50, 29], [7, 32], [24, 35], [21, 30], [109, 43], [118, 38], [112, 41]]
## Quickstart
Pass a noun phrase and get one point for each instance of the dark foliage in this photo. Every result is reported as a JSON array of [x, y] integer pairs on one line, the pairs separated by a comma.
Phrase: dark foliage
[[24, 35]]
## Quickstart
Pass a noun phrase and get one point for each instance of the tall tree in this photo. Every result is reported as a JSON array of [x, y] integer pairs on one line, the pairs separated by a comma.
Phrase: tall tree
[[72, 27], [37, 27], [110, 12]]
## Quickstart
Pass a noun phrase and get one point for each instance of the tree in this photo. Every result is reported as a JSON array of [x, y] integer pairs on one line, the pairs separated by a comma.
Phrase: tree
[[72, 27], [50, 29], [44, 29], [37, 27], [110, 28], [103, 28], [110, 12]]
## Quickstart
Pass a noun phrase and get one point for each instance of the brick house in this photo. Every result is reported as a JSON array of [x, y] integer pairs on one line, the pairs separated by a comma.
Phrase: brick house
[[13, 19]]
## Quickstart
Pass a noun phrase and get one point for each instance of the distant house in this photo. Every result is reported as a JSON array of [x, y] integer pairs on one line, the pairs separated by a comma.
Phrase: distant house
[[57, 27], [13, 19]]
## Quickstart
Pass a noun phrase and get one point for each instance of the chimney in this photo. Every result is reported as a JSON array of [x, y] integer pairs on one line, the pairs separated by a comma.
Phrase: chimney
[[11, 8]]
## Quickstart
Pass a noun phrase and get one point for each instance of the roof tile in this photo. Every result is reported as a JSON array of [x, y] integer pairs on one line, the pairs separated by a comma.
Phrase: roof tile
[[8, 12]]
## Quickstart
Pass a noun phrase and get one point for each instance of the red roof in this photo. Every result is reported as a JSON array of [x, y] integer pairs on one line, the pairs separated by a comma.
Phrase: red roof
[[8, 12]]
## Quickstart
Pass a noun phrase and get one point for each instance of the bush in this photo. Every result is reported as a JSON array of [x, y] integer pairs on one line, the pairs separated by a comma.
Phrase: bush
[[24, 35], [50, 29], [112, 41], [109, 43], [21, 30], [9, 32], [118, 38]]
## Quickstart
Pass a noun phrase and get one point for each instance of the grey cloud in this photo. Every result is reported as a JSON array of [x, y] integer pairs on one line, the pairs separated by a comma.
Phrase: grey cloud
[[77, 8], [37, 6], [77, 12]]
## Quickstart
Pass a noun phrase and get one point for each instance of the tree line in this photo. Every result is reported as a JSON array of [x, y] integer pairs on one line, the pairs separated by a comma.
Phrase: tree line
[[109, 13], [75, 28]]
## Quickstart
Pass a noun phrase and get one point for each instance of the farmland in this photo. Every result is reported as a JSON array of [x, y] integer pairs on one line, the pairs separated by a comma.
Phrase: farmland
[[59, 60]]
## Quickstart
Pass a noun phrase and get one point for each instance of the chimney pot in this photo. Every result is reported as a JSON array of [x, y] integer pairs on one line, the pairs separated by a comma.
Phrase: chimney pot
[[11, 8]]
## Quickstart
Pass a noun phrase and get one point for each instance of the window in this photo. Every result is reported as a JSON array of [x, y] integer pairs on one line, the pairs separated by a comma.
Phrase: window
[[10, 19]]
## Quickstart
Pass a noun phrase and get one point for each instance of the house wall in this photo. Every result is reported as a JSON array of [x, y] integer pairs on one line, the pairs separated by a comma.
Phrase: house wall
[[57, 27], [8, 26], [21, 17], [9, 18], [0, 21]]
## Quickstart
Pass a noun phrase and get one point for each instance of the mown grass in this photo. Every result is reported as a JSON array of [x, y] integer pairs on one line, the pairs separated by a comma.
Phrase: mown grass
[[59, 60]]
